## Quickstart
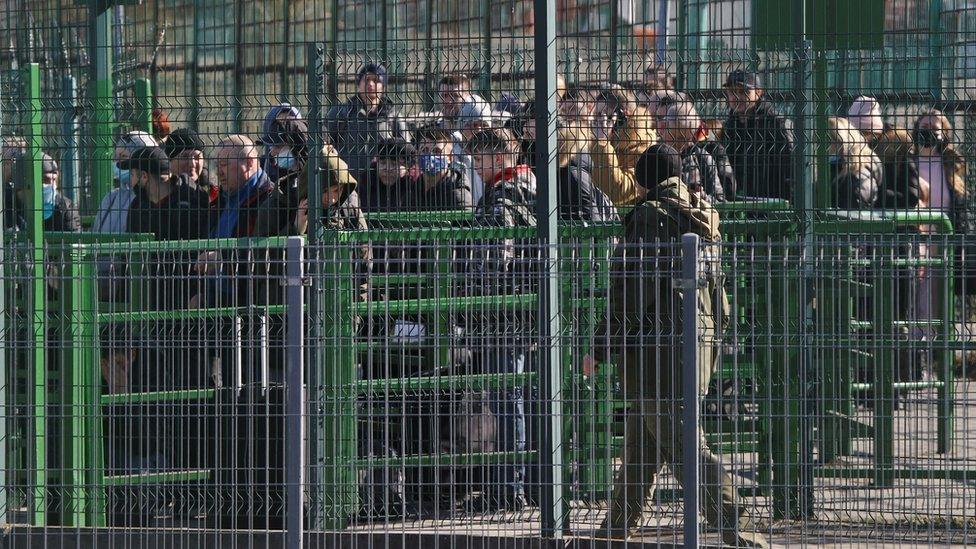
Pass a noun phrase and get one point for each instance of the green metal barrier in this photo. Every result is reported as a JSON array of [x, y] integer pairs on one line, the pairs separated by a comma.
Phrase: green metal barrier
[[83, 489], [26, 312], [591, 425], [429, 297], [764, 294], [874, 341]]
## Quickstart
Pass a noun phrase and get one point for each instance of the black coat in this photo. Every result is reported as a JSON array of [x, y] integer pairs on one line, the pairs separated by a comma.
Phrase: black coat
[[376, 196], [168, 278], [65, 217], [760, 148], [578, 197], [723, 167], [184, 215], [452, 192], [355, 131]]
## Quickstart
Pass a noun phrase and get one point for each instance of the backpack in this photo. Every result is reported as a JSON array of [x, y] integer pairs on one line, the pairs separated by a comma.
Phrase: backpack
[[669, 214]]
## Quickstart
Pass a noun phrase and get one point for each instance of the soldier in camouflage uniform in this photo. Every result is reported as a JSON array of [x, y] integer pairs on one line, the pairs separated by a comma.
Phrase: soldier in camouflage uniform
[[644, 328]]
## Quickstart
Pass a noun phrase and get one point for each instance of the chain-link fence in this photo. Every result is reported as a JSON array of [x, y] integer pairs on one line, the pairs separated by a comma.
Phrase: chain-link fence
[[337, 273]]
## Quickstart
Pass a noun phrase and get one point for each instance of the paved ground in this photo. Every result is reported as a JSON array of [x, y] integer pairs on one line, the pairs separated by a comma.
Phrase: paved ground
[[848, 512], [916, 511]]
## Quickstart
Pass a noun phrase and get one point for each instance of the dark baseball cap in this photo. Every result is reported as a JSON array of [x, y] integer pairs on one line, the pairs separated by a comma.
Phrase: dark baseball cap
[[48, 165], [395, 148], [183, 139], [746, 79], [152, 160]]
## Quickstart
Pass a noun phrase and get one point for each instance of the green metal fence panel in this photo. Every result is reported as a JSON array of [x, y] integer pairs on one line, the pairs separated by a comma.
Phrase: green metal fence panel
[[464, 382]]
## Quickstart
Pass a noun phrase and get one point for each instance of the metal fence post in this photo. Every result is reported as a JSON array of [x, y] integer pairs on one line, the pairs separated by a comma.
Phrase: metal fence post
[[7, 342], [315, 62], [614, 41], [31, 90], [661, 40], [689, 386], [71, 175], [331, 68], [553, 507], [101, 96], [935, 49], [143, 114], [294, 407], [798, 487]]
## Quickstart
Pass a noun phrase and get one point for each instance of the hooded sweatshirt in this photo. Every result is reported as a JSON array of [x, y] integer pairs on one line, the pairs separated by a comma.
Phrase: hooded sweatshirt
[[267, 126]]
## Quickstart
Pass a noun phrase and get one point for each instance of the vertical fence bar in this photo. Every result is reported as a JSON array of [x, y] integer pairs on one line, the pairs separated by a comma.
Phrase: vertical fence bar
[[681, 42], [85, 287], [614, 40], [428, 99], [337, 404], [798, 486], [295, 412], [689, 386], [81, 296], [385, 33], [884, 408], [484, 73], [553, 508], [70, 175], [947, 391], [822, 198], [5, 341], [332, 66], [194, 76], [236, 103], [935, 48], [143, 115], [101, 92], [284, 89], [315, 63], [31, 92], [661, 36]]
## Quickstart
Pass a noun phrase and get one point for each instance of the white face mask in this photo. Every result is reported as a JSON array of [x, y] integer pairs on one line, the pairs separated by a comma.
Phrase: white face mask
[[123, 176], [49, 193], [285, 159]]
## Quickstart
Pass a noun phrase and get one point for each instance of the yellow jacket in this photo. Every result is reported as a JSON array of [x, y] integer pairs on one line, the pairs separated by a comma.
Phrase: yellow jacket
[[614, 161]]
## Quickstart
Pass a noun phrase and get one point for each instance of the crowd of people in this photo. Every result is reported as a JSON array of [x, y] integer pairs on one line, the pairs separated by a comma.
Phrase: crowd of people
[[602, 133], [616, 146]]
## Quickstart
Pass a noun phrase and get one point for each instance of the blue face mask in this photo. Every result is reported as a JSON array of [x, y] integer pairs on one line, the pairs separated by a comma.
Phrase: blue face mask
[[835, 159], [433, 164], [285, 160], [48, 194], [121, 175]]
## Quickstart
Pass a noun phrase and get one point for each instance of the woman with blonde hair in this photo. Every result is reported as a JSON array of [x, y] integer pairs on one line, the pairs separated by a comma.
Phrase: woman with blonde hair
[[856, 172]]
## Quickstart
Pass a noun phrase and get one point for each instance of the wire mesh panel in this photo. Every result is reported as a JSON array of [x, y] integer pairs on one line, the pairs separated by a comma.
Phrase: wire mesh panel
[[365, 273]]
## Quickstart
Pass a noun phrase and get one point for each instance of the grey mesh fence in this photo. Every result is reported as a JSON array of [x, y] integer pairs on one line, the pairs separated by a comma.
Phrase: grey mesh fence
[[544, 273]]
